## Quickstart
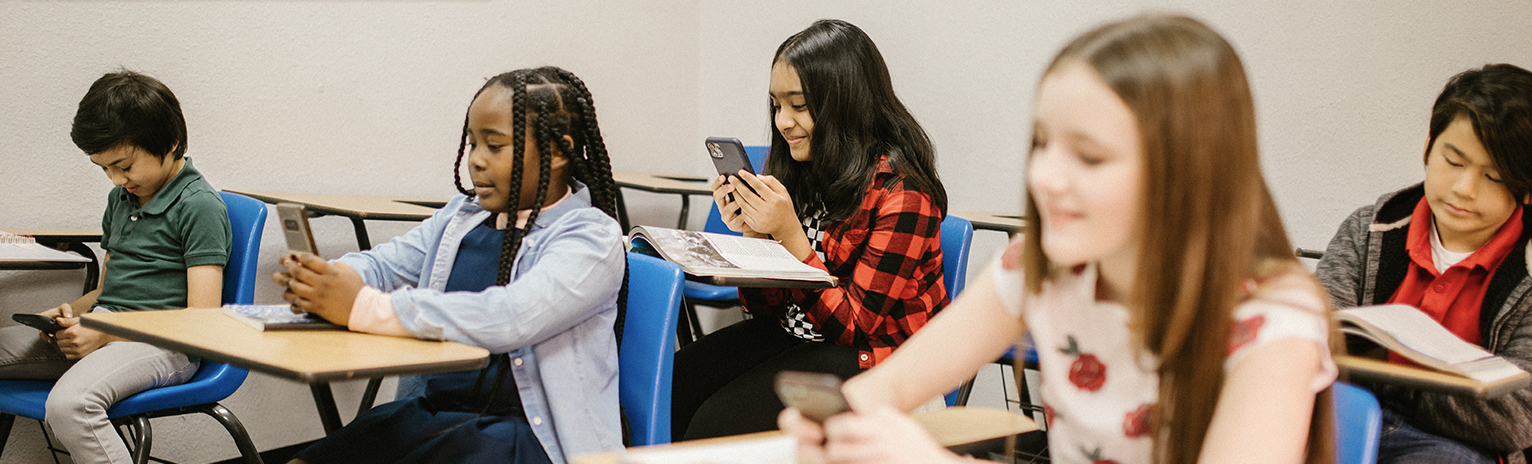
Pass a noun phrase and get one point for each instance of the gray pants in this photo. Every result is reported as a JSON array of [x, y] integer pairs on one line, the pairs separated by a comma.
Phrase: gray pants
[[86, 388]]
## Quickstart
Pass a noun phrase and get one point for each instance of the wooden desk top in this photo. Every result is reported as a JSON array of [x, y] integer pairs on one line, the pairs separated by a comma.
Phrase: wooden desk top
[[355, 206], [309, 356], [1385, 372], [1009, 223], [663, 183], [950, 427]]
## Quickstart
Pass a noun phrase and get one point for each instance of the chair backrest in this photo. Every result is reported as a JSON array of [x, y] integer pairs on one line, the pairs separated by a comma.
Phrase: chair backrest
[[247, 217], [647, 354], [957, 238], [215, 381], [1357, 418], [714, 222]]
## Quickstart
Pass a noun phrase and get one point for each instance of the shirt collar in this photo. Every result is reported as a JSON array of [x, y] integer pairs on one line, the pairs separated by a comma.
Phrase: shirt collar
[[172, 189], [1489, 256]]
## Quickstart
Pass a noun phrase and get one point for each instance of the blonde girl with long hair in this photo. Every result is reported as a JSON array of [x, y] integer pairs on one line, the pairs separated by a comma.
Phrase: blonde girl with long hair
[[1171, 320]]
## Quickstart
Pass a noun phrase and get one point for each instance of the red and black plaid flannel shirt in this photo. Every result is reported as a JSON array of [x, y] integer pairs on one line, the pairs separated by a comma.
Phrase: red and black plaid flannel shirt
[[891, 289]]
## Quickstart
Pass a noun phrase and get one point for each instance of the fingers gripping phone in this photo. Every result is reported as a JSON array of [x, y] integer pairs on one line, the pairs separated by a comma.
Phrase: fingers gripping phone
[[729, 158], [295, 227], [817, 396], [39, 322]]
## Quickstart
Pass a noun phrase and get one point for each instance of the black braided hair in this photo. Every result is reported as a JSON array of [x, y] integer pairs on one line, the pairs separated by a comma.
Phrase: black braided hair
[[558, 104]]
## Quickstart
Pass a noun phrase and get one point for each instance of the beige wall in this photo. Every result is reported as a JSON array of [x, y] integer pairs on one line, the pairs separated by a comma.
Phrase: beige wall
[[366, 97]]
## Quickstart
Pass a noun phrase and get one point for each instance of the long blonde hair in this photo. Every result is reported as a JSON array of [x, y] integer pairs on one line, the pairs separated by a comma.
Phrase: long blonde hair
[[1209, 223]]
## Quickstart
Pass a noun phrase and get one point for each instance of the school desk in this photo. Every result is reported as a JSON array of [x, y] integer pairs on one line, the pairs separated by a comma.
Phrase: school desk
[[316, 357], [357, 208], [685, 186], [1361, 368], [962, 430], [1010, 223], [66, 240]]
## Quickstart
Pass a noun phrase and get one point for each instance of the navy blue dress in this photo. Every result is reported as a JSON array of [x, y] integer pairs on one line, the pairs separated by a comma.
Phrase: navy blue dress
[[468, 416]]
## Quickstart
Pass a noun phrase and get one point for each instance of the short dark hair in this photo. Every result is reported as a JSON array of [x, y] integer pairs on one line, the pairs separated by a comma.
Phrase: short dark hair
[[857, 119], [128, 108], [1497, 99]]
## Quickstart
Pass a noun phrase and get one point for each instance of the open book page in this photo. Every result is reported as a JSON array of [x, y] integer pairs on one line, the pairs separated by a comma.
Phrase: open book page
[[23, 248], [1411, 333], [774, 449], [703, 253]]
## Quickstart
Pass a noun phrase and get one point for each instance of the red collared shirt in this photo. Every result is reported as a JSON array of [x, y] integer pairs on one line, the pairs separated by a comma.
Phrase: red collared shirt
[[887, 290], [1453, 297]]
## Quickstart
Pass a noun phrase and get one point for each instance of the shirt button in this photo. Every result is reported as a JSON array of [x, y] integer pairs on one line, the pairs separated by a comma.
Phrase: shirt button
[[133, 218], [1441, 288], [864, 356], [537, 420], [517, 362]]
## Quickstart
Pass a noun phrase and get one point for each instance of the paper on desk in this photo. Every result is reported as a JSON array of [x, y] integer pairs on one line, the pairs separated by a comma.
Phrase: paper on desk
[[777, 449], [23, 248]]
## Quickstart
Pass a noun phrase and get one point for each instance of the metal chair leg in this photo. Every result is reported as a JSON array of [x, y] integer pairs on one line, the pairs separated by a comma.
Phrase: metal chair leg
[[236, 431]]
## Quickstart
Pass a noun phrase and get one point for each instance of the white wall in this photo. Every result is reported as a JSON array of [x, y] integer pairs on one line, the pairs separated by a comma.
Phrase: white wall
[[367, 97]]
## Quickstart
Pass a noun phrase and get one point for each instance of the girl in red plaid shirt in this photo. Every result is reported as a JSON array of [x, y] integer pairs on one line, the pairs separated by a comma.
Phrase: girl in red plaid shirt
[[851, 187]]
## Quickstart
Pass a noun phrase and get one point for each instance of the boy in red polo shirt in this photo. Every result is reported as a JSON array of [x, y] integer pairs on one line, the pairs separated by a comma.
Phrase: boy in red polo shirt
[[1454, 246]]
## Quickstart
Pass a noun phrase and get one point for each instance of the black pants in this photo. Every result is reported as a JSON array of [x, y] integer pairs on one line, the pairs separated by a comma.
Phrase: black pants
[[723, 382]]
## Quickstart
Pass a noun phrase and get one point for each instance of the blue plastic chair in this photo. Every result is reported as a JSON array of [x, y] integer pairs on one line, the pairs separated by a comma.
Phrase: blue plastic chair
[[957, 239], [1357, 419], [647, 354], [213, 382], [698, 293]]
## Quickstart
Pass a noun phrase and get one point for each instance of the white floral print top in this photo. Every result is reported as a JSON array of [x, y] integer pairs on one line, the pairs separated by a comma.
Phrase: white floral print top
[[1098, 393]]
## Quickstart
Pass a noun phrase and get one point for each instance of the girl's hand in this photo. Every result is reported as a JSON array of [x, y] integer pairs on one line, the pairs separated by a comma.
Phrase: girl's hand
[[728, 209], [316, 286], [76, 341], [811, 437], [881, 435], [769, 210]]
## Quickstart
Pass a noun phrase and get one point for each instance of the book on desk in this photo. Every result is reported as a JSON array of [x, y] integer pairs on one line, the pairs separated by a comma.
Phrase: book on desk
[[23, 248], [727, 259], [1413, 335], [277, 317]]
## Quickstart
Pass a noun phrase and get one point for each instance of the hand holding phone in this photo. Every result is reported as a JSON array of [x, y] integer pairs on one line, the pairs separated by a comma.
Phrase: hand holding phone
[[295, 227], [39, 322], [729, 157], [815, 395]]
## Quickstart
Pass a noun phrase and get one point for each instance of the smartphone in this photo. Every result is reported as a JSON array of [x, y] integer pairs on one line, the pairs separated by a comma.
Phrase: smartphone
[[295, 226], [816, 395], [729, 157], [43, 323]]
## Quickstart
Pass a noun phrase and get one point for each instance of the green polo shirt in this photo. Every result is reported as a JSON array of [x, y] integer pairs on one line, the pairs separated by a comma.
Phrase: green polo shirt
[[150, 248]]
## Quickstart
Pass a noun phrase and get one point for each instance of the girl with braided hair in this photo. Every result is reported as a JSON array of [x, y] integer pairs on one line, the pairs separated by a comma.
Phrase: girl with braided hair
[[528, 264], [851, 188]]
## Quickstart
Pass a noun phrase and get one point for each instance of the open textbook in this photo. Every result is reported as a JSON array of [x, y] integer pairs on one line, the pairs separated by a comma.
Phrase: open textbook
[[728, 259], [1412, 334]]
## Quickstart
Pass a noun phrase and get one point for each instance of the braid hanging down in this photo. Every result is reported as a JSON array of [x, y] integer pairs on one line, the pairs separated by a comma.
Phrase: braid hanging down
[[558, 104]]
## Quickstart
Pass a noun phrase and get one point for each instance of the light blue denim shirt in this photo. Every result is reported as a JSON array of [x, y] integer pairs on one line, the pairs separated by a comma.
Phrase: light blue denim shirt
[[554, 318]]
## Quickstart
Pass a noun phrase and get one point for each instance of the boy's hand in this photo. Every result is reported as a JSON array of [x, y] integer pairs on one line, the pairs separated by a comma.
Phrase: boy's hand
[[316, 286], [56, 313], [76, 341]]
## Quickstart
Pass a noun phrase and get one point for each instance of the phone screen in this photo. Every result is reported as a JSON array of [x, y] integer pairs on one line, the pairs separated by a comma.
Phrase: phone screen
[[295, 227], [816, 395]]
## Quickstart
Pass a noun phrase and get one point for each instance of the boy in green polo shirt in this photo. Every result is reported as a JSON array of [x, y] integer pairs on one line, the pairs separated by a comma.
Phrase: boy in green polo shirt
[[166, 236]]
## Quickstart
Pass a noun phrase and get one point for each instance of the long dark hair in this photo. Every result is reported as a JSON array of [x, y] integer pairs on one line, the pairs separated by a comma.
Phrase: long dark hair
[[857, 119], [1209, 223], [558, 105]]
